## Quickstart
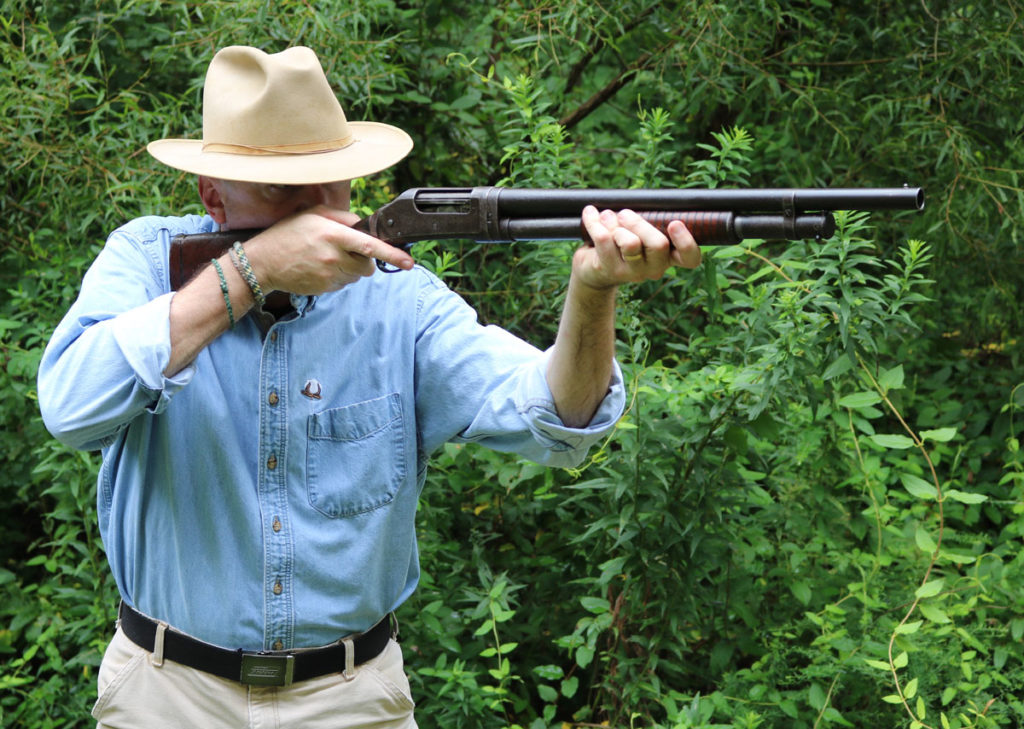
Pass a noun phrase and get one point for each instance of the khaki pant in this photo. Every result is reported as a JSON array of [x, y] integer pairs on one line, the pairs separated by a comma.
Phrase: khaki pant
[[137, 694]]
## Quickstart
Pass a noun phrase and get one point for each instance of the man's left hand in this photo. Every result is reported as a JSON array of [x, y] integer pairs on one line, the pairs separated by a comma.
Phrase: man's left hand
[[629, 249]]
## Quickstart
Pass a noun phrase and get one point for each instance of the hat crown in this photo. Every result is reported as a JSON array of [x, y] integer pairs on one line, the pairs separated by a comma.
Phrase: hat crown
[[273, 118], [276, 102]]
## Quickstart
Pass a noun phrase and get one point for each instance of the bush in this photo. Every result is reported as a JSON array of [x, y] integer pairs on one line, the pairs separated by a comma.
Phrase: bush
[[811, 514]]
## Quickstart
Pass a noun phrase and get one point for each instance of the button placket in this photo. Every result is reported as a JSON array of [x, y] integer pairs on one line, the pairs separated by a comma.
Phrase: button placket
[[277, 544]]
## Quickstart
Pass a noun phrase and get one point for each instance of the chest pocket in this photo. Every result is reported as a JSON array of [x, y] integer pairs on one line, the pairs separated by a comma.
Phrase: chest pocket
[[355, 459]]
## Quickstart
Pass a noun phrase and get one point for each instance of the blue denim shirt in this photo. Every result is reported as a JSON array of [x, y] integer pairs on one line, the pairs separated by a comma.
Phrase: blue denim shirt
[[265, 496]]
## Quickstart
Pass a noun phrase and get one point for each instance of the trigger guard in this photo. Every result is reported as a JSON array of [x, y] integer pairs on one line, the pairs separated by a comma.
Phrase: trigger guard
[[385, 267]]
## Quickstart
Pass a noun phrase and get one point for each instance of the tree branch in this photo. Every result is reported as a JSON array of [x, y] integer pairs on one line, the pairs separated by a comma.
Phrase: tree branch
[[610, 89], [576, 73]]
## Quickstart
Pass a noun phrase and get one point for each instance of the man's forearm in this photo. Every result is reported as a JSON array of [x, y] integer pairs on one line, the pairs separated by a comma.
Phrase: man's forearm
[[199, 313], [580, 369]]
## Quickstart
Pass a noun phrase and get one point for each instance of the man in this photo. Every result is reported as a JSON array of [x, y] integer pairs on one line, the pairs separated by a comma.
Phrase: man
[[263, 452]]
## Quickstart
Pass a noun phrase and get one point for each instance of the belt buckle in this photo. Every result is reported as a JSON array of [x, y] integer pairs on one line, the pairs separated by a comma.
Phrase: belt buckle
[[261, 669]]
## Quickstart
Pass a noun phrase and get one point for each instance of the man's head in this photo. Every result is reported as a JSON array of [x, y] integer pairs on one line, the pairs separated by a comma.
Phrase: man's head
[[273, 118]]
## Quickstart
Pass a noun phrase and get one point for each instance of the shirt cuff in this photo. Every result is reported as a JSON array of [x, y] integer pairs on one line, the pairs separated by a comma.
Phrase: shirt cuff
[[537, 405], [144, 336]]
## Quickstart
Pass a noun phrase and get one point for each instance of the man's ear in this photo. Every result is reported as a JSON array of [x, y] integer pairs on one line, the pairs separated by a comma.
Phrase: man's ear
[[213, 199]]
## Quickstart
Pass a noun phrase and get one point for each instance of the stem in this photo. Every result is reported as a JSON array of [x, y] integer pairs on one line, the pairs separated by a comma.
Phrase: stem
[[935, 555]]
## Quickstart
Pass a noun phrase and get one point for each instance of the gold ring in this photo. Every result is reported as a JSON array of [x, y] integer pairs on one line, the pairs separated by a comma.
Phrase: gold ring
[[634, 257]]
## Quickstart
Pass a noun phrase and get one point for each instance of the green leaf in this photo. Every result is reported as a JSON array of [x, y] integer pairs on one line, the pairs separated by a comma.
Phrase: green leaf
[[840, 367], [964, 497], [958, 558], [6, 324], [730, 252], [497, 588], [584, 655], [860, 399], [909, 628], [901, 660], [789, 708], [595, 605], [910, 690], [933, 613], [801, 590], [917, 486], [569, 686], [930, 589], [939, 435], [880, 665], [891, 379], [924, 540], [899, 442], [414, 96], [892, 699], [547, 693], [549, 672], [816, 696]]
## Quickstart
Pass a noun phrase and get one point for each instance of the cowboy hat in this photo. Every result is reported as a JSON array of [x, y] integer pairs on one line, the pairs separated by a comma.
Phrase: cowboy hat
[[273, 118]]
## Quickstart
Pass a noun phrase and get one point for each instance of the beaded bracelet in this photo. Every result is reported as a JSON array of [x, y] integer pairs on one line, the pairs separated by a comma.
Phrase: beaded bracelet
[[224, 291], [241, 261]]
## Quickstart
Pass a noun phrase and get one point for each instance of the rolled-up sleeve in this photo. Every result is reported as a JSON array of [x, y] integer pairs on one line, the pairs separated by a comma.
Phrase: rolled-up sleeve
[[537, 406], [143, 337], [104, 364]]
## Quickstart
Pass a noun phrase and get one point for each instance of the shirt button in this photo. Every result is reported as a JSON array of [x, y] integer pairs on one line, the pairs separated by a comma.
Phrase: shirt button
[[272, 399], [273, 336], [278, 646], [272, 462], [278, 588], [277, 524]]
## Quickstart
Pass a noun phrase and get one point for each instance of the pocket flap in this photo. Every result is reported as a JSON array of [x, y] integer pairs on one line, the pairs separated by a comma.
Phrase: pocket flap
[[357, 421]]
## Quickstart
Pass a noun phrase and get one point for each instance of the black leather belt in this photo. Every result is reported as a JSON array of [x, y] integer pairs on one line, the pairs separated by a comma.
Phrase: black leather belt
[[271, 668]]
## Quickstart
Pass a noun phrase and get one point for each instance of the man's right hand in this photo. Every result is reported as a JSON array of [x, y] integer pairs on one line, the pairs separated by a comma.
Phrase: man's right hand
[[316, 251]]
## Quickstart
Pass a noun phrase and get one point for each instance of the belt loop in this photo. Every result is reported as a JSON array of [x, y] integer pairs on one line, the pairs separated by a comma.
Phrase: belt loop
[[158, 645], [350, 659]]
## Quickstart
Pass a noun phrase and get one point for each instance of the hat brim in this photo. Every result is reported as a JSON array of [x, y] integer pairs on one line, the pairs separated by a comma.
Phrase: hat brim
[[375, 147]]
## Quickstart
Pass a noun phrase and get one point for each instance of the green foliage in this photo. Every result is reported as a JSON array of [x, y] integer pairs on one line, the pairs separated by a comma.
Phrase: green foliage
[[812, 513]]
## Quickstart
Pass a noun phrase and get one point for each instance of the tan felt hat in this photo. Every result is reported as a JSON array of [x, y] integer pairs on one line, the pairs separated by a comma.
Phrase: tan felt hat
[[273, 118]]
